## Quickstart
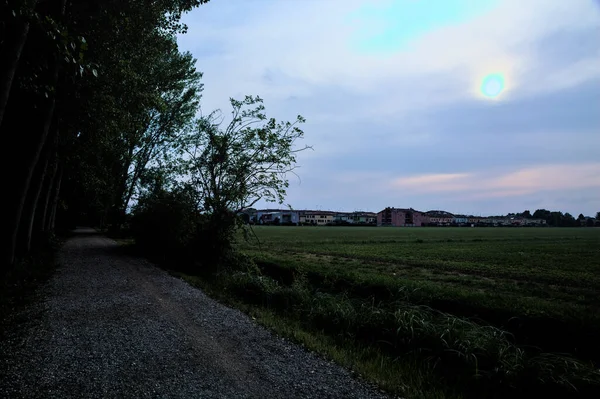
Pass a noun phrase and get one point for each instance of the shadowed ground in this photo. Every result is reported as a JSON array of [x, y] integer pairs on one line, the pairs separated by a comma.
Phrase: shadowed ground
[[108, 325]]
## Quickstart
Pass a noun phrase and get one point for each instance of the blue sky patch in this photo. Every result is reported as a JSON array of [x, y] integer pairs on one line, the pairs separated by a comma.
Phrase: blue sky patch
[[386, 28]]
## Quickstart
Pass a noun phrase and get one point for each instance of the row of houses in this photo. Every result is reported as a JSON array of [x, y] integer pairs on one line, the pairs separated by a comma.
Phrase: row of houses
[[396, 217], [408, 217], [302, 217]]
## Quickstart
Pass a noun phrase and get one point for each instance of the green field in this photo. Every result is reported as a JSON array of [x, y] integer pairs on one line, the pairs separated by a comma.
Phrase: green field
[[528, 270], [541, 285]]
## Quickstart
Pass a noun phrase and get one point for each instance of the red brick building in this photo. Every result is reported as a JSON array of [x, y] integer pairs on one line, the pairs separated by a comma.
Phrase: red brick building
[[401, 217]]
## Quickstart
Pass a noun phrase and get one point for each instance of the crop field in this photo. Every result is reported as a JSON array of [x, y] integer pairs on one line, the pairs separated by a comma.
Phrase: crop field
[[434, 312], [524, 280]]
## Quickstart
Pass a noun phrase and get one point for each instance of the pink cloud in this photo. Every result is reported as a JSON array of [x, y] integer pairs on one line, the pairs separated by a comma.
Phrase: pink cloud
[[509, 184], [430, 179], [549, 177]]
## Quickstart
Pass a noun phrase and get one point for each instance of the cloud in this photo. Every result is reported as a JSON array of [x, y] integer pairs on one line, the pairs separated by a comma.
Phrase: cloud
[[387, 101], [513, 183], [568, 187], [316, 45], [434, 180]]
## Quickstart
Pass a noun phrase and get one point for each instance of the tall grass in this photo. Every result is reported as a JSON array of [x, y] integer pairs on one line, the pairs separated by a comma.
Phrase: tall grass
[[461, 352], [395, 305]]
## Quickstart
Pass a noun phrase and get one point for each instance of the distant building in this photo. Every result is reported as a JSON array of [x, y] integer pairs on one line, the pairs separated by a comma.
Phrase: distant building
[[275, 216], [398, 217], [355, 218], [533, 222], [514, 221], [440, 218], [344, 217], [460, 220], [319, 218], [365, 217], [401, 217], [474, 220]]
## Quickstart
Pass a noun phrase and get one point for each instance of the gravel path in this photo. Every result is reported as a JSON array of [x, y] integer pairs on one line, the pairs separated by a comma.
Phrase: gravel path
[[114, 326]]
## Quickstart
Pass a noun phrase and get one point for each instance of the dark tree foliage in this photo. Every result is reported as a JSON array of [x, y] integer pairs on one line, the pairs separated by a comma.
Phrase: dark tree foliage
[[92, 94], [164, 222], [556, 219], [231, 166]]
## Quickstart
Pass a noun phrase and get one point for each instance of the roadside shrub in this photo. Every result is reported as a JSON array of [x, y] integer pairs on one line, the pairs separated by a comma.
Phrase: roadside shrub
[[286, 299], [252, 288], [231, 263], [164, 223], [212, 244]]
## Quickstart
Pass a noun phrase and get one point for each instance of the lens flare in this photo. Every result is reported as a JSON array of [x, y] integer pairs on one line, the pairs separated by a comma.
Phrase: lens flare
[[492, 85]]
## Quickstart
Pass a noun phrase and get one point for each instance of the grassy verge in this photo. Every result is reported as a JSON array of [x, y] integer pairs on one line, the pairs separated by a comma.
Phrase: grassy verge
[[409, 350], [395, 376], [528, 311]]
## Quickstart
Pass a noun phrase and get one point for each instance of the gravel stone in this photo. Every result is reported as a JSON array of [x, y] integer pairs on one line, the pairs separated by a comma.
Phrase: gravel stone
[[112, 326]]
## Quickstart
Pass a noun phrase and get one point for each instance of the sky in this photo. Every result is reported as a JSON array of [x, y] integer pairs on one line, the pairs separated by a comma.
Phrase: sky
[[480, 107]]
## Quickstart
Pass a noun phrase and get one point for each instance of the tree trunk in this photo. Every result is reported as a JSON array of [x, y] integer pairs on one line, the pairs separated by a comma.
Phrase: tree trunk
[[10, 59], [30, 216], [24, 187], [32, 149], [33, 203], [117, 211], [42, 221], [52, 220]]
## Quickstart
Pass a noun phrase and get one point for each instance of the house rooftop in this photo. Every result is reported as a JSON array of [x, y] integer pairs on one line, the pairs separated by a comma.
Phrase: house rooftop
[[401, 210], [306, 211], [439, 213]]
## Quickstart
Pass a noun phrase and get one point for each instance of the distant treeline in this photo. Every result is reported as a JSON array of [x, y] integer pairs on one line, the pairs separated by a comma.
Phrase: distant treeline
[[557, 218]]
